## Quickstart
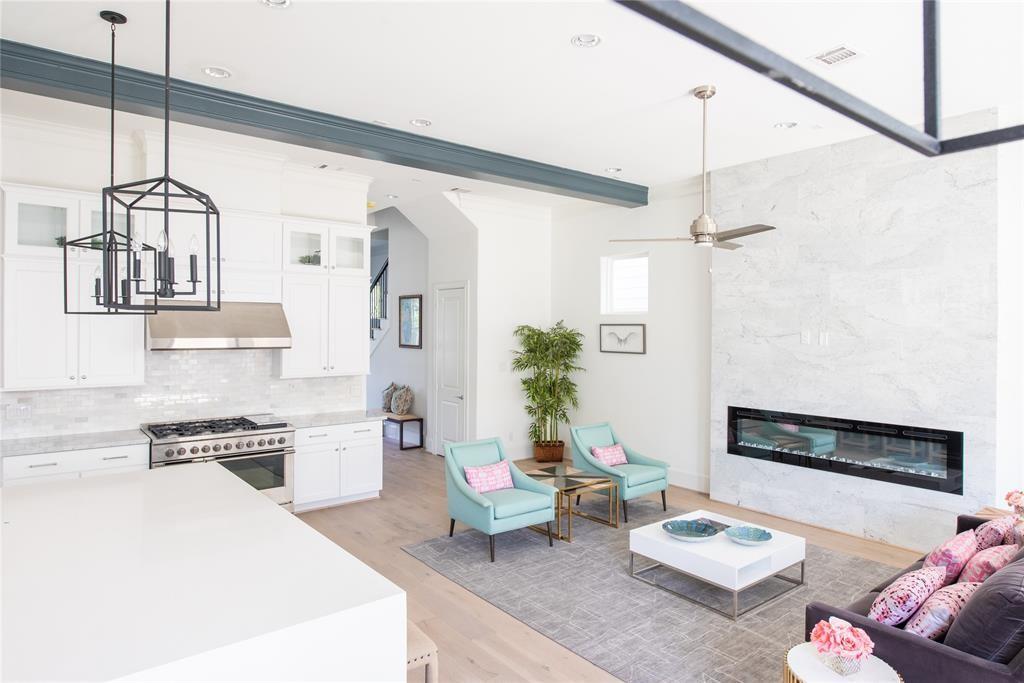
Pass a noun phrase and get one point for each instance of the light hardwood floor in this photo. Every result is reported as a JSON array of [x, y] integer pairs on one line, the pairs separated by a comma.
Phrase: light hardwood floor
[[477, 641]]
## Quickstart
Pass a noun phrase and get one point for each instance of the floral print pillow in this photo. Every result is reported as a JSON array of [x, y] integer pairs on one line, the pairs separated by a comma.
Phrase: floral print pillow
[[905, 595], [938, 612], [993, 532], [953, 554], [987, 562]]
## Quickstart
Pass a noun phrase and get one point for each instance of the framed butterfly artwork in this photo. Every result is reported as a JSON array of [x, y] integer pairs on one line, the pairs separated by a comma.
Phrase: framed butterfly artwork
[[623, 338]]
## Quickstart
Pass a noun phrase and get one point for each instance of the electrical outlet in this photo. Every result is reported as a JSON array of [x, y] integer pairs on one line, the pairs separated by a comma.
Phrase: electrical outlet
[[822, 338], [19, 411], [511, 436]]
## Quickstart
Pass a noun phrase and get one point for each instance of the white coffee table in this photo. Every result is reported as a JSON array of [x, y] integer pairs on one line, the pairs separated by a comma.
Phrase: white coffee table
[[804, 665], [718, 561]]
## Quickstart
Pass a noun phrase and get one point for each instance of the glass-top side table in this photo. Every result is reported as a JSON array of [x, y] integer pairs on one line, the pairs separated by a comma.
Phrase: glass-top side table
[[572, 483]]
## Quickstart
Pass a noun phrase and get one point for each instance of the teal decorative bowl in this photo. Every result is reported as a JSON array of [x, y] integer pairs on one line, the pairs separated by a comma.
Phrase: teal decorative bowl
[[748, 535], [690, 530]]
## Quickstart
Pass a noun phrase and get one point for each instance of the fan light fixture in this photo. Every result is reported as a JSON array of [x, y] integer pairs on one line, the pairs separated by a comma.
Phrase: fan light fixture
[[134, 277], [704, 231], [216, 72]]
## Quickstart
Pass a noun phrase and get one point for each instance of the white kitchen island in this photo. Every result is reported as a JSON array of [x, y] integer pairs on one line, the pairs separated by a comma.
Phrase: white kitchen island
[[185, 573]]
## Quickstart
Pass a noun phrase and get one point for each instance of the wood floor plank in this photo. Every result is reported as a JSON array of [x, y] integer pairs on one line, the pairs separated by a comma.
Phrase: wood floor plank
[[476, 640]]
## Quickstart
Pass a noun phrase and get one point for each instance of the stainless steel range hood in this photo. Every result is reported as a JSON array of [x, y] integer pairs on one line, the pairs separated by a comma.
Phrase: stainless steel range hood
[[236, 325]]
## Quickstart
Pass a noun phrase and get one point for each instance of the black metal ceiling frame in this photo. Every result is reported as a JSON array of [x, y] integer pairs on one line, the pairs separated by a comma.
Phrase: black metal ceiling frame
[[714, 35]]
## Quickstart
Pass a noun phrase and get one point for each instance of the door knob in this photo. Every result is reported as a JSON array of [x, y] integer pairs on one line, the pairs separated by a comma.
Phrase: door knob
[[460, 397]]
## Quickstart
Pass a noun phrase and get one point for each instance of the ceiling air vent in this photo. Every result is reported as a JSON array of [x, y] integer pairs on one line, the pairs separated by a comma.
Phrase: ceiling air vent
[[836, 55]]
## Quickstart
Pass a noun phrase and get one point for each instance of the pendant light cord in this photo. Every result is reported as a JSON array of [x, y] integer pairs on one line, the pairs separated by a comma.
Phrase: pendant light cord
[[167, 120], [113, 37]]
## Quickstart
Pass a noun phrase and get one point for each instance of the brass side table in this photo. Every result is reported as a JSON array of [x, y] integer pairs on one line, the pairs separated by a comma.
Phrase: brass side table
[[572, 483]]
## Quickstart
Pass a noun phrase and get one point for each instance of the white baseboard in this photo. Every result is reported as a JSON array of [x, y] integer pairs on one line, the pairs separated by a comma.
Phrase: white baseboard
[[689, 480]]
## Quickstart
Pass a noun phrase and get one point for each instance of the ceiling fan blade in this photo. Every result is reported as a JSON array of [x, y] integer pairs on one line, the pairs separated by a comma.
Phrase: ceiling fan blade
[[731, 246], [658, 239], [743, 232]]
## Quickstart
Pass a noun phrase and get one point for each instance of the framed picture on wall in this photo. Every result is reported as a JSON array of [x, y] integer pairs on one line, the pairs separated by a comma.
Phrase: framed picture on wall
[[410, 321], [625, 338]]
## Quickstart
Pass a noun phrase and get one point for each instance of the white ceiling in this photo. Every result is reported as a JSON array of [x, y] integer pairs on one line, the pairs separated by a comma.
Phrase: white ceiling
[[503, 75]]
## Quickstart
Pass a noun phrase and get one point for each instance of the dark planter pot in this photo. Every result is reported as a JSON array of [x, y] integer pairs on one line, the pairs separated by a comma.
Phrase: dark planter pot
[[548, 451]]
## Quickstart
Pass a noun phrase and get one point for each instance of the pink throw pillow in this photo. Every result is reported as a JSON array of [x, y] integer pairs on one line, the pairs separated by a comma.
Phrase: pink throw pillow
[[905, 595], [610, 455], [993, 532], [953, 554], [1014, 535], [987, 562], [938, 612], [489, 477], [788, 427]]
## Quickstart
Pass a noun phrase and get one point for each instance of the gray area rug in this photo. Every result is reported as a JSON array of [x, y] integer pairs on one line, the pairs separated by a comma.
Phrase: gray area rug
[[580, 595]]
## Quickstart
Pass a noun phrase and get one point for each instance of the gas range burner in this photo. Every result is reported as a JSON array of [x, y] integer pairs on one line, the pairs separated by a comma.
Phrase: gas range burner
[[168, 430]]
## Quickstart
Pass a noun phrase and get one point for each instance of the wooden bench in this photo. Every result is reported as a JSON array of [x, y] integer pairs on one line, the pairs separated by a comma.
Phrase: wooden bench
[[420, 651], [401, 420]]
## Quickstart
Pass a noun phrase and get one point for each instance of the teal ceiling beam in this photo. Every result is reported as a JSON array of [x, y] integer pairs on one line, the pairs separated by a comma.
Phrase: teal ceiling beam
[[32, 69]]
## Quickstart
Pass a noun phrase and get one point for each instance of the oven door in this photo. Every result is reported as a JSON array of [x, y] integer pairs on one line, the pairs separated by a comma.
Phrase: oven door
[[271, 472]]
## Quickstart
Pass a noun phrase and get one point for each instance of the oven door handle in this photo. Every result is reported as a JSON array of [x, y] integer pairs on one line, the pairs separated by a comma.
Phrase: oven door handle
[[247, 456]]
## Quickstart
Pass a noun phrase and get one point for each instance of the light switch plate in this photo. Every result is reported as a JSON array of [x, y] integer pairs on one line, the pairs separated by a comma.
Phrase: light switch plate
[[805, 337]]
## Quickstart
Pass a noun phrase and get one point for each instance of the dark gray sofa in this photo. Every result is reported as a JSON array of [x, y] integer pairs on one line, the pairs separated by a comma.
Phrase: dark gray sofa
[[919, 659]]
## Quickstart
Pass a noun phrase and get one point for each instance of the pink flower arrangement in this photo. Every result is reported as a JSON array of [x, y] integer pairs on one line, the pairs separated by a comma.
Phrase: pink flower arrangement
[[1015, 499], [842, 639]]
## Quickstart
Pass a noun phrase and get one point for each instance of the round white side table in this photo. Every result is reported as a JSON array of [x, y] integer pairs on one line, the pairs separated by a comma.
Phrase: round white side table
[[804, 665]]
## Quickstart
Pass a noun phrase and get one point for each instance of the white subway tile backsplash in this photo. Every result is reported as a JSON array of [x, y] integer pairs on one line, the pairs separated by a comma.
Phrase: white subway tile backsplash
[[179, 385]]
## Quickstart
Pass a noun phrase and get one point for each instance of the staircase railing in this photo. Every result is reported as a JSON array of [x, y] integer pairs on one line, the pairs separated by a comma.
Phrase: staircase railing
[[379, 298]]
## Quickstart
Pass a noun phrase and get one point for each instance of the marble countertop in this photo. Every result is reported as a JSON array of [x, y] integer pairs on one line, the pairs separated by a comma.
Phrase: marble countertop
[[335, 418], [71, 442], [105, 577]]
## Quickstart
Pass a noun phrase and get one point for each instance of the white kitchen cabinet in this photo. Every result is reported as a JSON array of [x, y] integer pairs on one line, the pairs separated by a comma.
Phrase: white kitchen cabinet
[[247, 285], [349, 337], [307, 307], [250, 241], [90, 217], [37, 221], [361, 467], [337, 464], [40, 340], [305, 247], [350, 250], [44, 348], [38, 467], [317, 473]]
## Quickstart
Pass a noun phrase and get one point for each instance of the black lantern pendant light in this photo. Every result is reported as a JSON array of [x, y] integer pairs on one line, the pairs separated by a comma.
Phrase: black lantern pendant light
[[134, 277]]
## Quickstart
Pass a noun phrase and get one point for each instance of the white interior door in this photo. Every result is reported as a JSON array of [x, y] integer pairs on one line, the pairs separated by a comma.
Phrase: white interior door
[[450, 364]]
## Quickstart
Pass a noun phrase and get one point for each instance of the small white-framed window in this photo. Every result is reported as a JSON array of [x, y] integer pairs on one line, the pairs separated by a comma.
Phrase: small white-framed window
[[624, 283]]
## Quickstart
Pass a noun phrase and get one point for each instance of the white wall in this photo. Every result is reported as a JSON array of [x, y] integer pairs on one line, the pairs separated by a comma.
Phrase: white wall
[[407, 274], [656, 402], [894, 256], [513, 288]]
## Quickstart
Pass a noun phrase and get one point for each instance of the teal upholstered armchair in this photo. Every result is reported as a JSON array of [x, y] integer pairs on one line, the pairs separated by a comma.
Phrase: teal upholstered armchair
[[640, 476], [528, 502]]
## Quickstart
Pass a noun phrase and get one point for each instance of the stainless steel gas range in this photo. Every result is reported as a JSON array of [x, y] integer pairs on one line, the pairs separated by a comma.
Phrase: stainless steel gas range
[[259, 449]]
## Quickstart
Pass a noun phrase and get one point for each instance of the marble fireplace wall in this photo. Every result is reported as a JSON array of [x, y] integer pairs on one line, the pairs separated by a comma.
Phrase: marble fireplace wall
[[875, 299]]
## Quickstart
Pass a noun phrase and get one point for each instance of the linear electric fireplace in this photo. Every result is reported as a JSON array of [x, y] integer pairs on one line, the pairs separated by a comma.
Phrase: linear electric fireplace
[[912, 456]]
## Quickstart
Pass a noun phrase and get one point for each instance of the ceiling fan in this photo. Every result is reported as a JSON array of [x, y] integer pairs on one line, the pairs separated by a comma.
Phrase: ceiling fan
[[704, 231]]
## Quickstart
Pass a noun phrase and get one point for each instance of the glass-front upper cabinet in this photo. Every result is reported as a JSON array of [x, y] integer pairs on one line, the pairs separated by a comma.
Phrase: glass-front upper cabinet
[[306, 247], [350, 250], [37, 222], [91, 223]]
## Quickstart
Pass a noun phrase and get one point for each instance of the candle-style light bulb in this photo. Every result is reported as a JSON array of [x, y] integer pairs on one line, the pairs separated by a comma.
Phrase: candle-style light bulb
[[193, 244], [136, 245], [161, 241], [97, 291]]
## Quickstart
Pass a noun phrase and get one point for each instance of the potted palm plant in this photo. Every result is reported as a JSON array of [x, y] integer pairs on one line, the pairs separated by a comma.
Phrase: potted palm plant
[[549, 356]]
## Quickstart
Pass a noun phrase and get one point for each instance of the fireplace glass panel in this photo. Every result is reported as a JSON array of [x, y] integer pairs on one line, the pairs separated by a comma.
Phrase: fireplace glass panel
[[925, 458]]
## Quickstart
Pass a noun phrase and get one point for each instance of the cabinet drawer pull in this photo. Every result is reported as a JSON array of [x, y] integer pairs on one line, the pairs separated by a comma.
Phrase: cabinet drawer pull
[[360, 431], [43, 464], [115, 457], [317, 436]]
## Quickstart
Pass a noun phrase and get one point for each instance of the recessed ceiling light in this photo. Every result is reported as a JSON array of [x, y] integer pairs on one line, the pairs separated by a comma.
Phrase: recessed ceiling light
[[381, 122], [415, 180], [613, 169], [586, 40], [320, 166], [216, 72], [785, 124], [391, 196], [277, 4], [421, 123]]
